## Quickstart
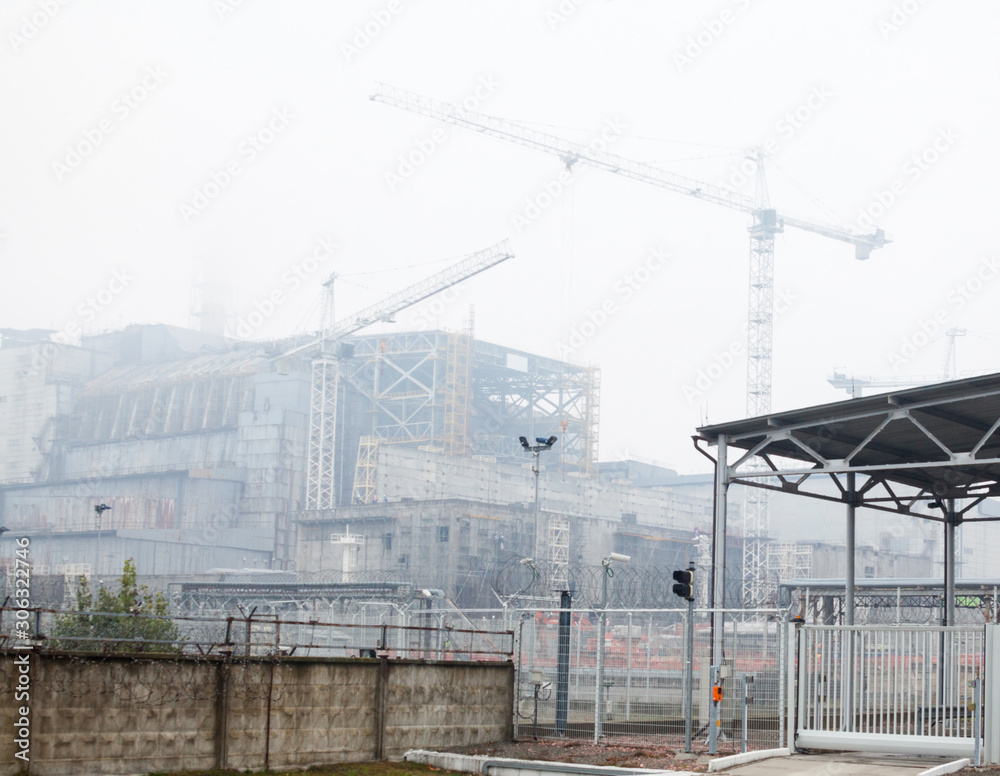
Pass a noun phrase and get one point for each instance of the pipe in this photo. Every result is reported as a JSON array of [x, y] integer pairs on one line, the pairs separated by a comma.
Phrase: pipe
[[848, 675], [718, 596]]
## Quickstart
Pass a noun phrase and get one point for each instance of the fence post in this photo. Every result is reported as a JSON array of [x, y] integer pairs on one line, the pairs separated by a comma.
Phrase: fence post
[[714, 717], [747, 680], [598, 683], [562, 672], [579, 644], [991, 710], [628, 673], [779, 630], [519, 637], [796, 709], [688, 674], [649, 652], [222, 714], [976, 730]]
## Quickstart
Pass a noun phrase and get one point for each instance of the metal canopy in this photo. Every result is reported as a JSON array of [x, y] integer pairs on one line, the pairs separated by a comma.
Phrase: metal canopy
[[938, 442], [931, 452]]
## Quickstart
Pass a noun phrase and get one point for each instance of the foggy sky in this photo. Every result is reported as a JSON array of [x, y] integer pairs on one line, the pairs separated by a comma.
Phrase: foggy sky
[[144, 145]]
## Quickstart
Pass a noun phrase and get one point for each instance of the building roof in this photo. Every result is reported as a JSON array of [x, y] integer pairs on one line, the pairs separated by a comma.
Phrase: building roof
[[240, 360], [940, 440]]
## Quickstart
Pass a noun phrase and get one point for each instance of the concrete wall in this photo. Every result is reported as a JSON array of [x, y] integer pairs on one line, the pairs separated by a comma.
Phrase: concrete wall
[[122, 715]]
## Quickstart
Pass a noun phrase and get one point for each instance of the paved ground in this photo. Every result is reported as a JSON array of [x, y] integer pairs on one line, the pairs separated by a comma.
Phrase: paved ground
[[837, 765]]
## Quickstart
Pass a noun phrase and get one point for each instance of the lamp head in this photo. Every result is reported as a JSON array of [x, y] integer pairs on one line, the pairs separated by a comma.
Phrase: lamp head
[[524, 442]]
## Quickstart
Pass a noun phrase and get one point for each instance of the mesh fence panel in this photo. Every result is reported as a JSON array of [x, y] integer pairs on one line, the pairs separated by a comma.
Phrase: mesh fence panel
[[636, 688]]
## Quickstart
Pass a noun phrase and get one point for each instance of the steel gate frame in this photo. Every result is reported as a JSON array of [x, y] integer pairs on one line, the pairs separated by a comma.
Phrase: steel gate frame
[[895, 697]]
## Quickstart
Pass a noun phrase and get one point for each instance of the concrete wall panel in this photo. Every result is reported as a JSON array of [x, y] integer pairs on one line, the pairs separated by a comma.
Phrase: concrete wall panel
[[120, 715]]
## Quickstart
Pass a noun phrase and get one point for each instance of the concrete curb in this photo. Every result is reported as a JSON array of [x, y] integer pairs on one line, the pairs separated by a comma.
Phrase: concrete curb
[[719, 763], [453, 762], [481, 764], [940, 770]]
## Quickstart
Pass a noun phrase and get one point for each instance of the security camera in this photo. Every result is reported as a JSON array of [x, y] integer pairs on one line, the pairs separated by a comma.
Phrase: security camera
[[619, 557], [526, 561]]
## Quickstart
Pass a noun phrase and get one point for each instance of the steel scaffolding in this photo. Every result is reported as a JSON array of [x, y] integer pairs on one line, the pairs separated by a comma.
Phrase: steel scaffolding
[[466, 397]]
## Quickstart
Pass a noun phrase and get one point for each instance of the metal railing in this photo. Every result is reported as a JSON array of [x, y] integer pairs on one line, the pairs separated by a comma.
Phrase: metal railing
[[392, 637]]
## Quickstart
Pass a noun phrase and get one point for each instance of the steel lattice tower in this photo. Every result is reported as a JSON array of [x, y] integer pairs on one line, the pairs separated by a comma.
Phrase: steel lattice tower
[[320, 490], [756, 588]]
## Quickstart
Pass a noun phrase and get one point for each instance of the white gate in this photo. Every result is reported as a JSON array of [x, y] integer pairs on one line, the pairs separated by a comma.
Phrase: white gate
[[901, 689]]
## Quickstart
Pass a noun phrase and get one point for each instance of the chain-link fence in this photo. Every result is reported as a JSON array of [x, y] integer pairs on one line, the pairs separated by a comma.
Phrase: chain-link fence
[[422, 635], [631, 688]]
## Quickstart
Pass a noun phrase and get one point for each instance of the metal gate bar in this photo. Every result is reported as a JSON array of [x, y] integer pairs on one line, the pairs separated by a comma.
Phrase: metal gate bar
[[898, 688]]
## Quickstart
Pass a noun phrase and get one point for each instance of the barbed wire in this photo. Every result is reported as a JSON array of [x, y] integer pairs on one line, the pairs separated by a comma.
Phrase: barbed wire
[[627, 586]]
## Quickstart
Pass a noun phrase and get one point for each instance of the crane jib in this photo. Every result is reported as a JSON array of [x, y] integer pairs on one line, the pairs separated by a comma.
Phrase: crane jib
[[578, 153]]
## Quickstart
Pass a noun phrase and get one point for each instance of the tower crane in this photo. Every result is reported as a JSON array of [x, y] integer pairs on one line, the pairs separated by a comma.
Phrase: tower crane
[[855, 385], [766, 223], [320, 481]]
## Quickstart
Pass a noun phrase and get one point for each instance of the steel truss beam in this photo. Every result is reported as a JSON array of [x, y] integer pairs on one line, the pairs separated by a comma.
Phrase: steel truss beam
[[934, 469]]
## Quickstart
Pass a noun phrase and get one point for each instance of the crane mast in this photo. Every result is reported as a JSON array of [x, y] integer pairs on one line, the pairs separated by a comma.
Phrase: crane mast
[[767, 222], [756, 588], [320, 473]]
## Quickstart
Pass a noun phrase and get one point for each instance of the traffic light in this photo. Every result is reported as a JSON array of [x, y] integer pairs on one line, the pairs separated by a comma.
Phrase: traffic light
[[685, 584]]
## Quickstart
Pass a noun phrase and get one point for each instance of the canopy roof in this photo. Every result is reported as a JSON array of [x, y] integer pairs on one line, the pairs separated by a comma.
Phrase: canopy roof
[[938, 441]]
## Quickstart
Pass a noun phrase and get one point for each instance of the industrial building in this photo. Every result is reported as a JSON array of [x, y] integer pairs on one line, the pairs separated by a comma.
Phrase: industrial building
[[201, 448], [209, 455]]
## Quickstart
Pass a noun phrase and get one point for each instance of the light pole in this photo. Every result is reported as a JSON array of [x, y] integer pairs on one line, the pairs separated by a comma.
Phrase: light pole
[[99, 509], [535, 450], [606, 572]]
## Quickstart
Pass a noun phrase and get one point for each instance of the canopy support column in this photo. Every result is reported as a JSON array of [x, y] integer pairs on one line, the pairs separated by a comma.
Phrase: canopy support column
[[718, 598], [850, 573], [848, 673], [951, 521]]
